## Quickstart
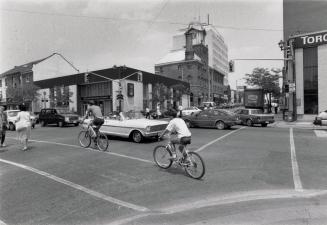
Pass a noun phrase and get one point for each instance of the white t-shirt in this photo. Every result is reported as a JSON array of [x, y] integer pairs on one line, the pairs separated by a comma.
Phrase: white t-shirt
[[178, 125]]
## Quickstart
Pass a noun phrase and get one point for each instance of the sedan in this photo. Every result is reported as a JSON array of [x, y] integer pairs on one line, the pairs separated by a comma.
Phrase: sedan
[[188, 111], [218, 118], [132, 125], [254, 116]]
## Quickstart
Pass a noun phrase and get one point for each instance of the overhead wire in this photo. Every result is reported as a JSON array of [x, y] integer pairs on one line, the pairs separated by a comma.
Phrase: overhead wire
[[136, 20]]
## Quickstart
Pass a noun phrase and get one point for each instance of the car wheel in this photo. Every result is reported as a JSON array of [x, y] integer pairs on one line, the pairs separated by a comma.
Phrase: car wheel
[[188, 123], [264, 125], [137, 136], [12, 127], [220, 125], [249, 123], [42, 123], [61, 124]]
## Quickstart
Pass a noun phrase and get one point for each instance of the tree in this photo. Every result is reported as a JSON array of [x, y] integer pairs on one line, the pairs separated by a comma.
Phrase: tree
[[266, 79], [160, 93], [23, 94]]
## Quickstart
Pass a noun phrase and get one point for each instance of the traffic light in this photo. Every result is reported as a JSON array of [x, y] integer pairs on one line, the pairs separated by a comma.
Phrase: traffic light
[[139, 76], [287, 88], [86, 77], [231, 66]]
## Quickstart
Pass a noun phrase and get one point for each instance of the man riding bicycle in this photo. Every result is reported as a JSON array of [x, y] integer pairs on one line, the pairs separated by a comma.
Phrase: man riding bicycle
[[179, 134], [95, 111]]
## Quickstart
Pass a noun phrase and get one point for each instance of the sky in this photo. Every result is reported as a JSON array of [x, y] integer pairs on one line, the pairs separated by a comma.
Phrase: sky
[[98, 34]]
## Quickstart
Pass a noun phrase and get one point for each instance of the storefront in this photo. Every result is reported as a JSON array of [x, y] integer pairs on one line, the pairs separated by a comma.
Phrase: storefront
[[310, 70]]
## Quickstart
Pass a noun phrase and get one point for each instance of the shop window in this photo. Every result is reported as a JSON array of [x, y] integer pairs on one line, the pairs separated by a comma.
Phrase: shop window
[[310, 78]]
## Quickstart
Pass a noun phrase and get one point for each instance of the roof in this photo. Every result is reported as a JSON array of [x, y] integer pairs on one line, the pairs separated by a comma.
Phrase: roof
[[176, 56], [27, 67]]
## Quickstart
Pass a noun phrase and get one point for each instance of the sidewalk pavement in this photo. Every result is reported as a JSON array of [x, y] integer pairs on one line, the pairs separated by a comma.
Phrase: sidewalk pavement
[[303, 124]]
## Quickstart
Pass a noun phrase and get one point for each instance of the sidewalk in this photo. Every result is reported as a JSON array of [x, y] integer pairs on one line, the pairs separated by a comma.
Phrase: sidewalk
[[303, 124]]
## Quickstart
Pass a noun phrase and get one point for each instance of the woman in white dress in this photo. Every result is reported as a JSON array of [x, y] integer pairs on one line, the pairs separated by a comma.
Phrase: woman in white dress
[[24, 119]]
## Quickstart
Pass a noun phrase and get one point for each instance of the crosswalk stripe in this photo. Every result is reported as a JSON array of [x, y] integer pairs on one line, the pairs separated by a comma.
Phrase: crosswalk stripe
[[320, 133]]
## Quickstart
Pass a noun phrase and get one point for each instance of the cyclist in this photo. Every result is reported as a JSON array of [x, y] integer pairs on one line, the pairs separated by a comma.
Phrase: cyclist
[[179, 134], [95, 111]]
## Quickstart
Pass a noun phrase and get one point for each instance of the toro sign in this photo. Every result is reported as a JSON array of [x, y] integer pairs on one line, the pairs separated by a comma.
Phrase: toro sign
[[311, 40]]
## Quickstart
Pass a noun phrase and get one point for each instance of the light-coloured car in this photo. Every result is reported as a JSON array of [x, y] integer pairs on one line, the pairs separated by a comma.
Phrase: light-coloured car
[[188, 111], [11, 118], [132, 125]]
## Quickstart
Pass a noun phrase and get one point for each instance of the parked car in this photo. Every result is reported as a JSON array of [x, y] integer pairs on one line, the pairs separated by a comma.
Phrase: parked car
[[132, 125], [219, 118], [61, 117], [250, 117], [11, 117], [321, 119], [188, 111]]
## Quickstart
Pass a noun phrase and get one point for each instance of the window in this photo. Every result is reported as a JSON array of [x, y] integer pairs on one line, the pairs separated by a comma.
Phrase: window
[[130, 89], [310, 78], [0, 82]]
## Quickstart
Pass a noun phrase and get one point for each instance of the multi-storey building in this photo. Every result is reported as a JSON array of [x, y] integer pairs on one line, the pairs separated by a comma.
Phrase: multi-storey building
[[190, 61], [305, 45]]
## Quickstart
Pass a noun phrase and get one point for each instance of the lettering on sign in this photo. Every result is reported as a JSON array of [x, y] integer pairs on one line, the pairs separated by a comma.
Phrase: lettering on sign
[[311, 40], [252, 98]]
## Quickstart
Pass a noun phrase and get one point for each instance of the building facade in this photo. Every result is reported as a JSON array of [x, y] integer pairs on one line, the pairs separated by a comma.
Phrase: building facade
[[306, 57], [190, 61], [114, 89]]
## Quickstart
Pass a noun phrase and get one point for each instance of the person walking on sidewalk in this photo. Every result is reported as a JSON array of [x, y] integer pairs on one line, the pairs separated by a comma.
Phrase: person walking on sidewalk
[[23, 126], [3, 126]]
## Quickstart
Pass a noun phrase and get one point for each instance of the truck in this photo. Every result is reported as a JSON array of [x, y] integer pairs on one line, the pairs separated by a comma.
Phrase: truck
[[254, 98]]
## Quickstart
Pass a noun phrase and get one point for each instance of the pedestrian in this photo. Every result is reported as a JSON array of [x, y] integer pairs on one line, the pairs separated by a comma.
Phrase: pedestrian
[[158, 111], [147, 113], [23, 126], [3, 126]]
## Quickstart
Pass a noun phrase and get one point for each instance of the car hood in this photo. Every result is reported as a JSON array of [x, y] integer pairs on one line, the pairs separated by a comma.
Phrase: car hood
[[137, 123]]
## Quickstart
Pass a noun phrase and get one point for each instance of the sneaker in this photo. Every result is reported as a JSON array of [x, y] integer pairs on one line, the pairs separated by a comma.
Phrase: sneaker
[[3, 145], [186, 160]]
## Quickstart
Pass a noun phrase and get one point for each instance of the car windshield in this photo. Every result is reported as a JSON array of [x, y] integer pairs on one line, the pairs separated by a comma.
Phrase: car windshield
[[132, 115], [63, 111], [227, 112], [256, 111], [13, 113]]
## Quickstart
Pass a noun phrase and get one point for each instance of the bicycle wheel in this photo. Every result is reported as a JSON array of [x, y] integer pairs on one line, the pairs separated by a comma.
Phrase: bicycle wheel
[[196, 168], [102, 142], [84, 138], [162, 156]]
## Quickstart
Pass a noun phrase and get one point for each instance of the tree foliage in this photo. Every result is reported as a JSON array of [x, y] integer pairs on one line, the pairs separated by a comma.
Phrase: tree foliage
[[266, 79], [22, 94]]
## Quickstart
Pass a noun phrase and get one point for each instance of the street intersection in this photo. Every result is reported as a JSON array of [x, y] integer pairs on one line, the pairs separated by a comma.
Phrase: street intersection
[[254, 175]]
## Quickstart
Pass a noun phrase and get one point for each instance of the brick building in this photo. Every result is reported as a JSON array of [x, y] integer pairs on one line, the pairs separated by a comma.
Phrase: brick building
[[190, 64]]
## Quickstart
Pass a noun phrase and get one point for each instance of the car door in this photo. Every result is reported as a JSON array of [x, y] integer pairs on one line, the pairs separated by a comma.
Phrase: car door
[[202, 119]]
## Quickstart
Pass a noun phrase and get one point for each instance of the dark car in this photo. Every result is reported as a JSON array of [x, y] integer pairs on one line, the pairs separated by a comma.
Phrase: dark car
[[254, 116], [58, 116], [221, 119]]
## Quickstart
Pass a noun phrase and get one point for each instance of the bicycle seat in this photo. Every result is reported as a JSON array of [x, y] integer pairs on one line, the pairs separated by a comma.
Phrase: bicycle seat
[[185, 140]]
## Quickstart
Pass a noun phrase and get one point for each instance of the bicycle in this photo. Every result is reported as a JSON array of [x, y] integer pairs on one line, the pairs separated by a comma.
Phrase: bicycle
[[163, 157], [89, 134]]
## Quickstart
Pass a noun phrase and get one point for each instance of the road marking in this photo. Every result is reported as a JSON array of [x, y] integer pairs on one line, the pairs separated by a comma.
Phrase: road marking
[[2, 223], [218, 139], [295, 166], [79, 147], [211, 201], [320, 133], [79, 187]]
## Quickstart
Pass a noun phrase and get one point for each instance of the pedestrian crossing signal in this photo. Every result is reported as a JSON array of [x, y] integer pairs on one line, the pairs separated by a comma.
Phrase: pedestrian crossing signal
[[287, 88], [86, 77]]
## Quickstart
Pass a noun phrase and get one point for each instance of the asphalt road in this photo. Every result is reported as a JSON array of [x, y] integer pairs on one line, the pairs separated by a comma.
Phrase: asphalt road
[[254, 175]]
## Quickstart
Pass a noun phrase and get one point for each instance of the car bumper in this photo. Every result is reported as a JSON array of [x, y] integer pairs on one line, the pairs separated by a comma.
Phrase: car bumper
[[152, 134]]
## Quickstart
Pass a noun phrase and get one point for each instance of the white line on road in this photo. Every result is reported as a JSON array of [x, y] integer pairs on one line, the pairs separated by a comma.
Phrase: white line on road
[[218, 139], [295, 166], [320, 133], [79, 147], [79, 187]]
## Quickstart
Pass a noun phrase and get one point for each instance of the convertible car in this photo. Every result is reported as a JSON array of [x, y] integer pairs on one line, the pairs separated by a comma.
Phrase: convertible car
[[132, 125]]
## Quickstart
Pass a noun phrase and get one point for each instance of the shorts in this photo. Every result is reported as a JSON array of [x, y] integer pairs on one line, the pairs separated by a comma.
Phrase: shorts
[[98, 121]]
